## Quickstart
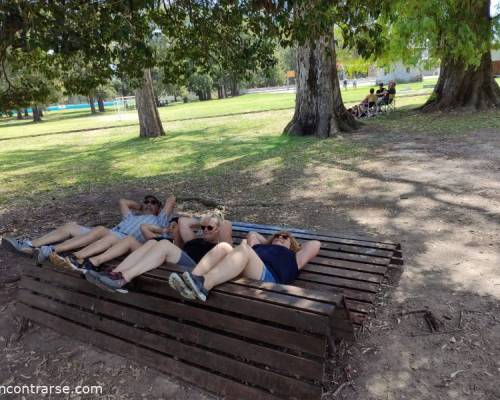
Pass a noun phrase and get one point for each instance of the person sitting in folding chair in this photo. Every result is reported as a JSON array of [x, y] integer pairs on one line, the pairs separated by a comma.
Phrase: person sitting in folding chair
[[390, 94], [380, 93], [368, 103]]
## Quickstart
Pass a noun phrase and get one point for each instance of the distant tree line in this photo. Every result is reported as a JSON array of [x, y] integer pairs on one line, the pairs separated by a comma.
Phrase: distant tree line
[[74, 47]]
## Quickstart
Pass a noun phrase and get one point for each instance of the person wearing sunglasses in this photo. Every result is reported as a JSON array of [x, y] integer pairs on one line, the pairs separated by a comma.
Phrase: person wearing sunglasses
[[92, 257], [127, 234], [187, 249], [278, 260]]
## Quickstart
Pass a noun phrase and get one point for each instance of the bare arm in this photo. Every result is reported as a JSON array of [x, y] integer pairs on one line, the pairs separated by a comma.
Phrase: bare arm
[[169, 205], [126, 206], [226, 232], [150, 231], [186, 228], [308, 251], [254, 238]]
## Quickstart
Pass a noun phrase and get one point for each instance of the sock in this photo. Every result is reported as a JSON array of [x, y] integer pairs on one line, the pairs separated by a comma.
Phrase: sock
[[200, 281], [46, 250]]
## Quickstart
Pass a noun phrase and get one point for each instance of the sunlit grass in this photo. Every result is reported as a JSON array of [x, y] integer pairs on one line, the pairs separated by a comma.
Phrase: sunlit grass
[[194, 147], [74, 151]]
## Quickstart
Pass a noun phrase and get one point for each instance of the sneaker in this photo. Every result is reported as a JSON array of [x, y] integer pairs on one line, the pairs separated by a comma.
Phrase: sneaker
[[195, 283], [62, 262], [88, 266], [41, 254], [176, 283], [20, 246], [111, 282], [72, 262]]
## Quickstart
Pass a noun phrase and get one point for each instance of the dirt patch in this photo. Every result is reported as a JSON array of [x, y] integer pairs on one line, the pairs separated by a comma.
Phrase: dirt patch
[[438, 196]]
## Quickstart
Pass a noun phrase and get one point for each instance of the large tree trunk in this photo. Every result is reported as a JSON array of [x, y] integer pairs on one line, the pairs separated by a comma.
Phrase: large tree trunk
[[319, 109], [462, 87], [149, 118], [36, 113], [92, 105], [220, 92], [235, 87], [100, 104]]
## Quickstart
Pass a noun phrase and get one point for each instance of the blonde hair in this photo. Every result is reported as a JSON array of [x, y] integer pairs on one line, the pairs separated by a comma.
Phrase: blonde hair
[[217, 216], [294, 245]]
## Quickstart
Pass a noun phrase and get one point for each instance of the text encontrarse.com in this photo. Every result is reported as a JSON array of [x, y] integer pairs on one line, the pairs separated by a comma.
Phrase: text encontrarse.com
[[49, 389]]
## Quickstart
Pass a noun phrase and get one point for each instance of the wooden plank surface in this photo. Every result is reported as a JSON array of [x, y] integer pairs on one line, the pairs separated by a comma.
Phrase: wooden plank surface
[[193, 312], [323, 236], [225, 365], [210, 381]]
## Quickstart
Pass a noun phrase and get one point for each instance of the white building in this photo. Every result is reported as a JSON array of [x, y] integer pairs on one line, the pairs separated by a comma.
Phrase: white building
[[401, 73]]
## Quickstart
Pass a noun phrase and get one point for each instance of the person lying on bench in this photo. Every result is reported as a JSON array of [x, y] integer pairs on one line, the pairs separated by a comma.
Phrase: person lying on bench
[[79, 236], [151, 255], [277, 260], [108, 247]]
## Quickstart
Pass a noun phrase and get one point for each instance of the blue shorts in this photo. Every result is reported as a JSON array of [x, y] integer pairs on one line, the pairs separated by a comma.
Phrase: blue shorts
[[267, 276], [118, 234], [84, 230], [186, 262]]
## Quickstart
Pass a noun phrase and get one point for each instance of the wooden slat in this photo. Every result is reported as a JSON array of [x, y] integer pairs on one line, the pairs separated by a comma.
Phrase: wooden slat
[[239, 235], [352, 265], [340, 282], [231, 299], [278, 297], [189, 312], [343, 273], [329, 236], [358, 306], [348, 293], [234, 347], [215, 383], [228, 366], [332, 298]]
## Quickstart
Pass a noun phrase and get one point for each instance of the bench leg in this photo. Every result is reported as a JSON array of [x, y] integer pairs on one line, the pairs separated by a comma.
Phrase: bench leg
[[23, 328]]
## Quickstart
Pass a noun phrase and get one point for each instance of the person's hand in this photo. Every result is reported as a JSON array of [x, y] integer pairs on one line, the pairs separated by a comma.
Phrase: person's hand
[[170, 202]]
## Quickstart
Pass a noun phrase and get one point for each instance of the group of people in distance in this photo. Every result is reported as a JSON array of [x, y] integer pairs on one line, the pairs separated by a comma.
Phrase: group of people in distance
[[201, 247], [374, 100]]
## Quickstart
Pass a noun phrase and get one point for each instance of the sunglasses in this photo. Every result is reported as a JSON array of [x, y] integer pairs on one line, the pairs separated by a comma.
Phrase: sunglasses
[[207, 227], [283, 236], [151, 201]]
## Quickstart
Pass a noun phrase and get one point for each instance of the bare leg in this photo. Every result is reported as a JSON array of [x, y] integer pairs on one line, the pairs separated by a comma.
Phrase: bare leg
[[159, 253], [118, 249], [84, 240], [212, 258], [133, 258], [241, 260], [64, 232], [97, 247]]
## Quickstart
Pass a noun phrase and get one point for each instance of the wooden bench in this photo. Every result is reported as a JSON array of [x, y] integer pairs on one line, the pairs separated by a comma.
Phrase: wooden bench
[[250, 340]]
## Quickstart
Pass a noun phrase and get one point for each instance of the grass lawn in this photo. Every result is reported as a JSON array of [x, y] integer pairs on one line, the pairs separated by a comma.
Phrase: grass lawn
[[74, 151]]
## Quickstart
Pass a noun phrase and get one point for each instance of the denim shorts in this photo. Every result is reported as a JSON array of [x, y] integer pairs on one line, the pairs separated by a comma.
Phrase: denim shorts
[[267, 276], [118, 234]]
